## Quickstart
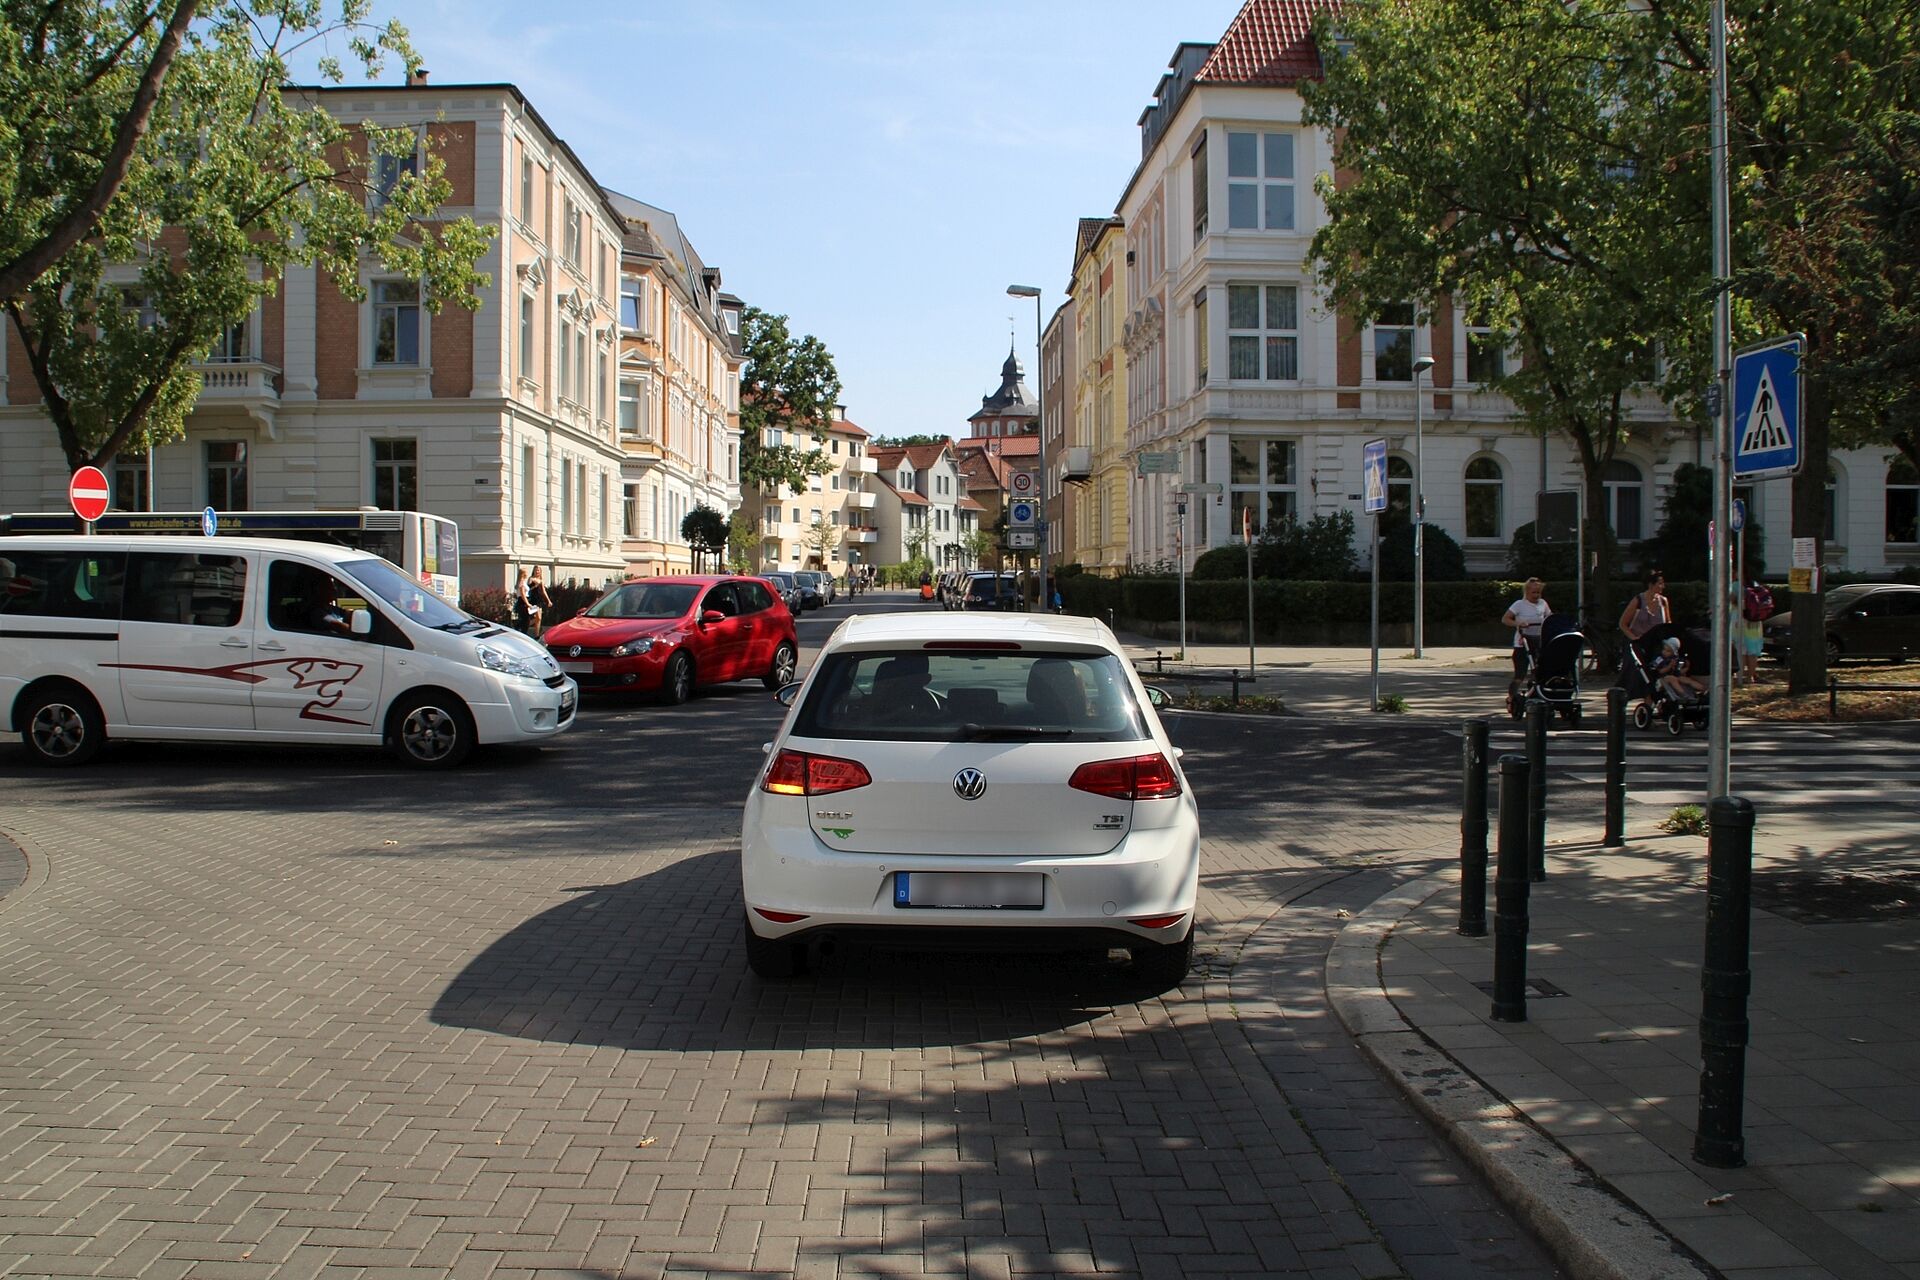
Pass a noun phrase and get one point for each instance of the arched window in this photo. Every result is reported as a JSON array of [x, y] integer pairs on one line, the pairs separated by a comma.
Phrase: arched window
[[1626, 498], [1399, 494], [1903, 502], [1484, 498]]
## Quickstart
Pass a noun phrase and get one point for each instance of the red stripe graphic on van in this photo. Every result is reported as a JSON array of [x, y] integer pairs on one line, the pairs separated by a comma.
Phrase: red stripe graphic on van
[[327, 678]]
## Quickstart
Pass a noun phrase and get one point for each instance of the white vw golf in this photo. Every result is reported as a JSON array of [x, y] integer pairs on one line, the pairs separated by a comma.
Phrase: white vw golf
[[971, 781]]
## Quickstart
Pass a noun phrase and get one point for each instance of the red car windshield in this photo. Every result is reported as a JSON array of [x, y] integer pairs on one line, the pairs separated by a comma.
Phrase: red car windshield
[[658, 600]]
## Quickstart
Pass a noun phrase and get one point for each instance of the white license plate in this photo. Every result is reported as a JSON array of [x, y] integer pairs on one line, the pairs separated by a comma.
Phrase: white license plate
[[1003, 890], [567, 698], [577, 668]]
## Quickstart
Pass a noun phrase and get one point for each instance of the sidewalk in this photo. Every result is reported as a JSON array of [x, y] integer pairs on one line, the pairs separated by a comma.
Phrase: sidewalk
[[1584, 1116]]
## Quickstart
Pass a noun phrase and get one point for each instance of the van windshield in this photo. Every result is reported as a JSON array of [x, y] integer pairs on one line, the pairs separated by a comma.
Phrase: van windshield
[[390, 583]]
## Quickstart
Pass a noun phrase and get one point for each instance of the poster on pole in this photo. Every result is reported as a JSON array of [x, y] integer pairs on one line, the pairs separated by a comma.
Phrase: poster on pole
[[1373, 464]]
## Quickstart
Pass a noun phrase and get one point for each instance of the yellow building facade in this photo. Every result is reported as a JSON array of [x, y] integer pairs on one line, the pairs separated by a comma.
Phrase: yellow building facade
[[1100, 394]]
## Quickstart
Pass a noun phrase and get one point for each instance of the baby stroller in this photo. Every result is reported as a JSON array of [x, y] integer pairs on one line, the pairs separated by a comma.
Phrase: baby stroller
[[1654, 706], [1553, 672]]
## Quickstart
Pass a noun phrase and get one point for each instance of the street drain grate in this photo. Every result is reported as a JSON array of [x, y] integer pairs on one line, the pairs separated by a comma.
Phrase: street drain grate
[[1535, 986], [1838, 897]]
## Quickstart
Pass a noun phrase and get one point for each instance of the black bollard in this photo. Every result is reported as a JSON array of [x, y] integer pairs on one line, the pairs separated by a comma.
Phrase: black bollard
[[1615, 834], [1510, 892], [1473, 829], [1539, 716], [1724, 983]]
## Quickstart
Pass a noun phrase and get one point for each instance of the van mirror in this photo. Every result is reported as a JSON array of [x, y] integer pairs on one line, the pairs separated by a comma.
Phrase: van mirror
[[1159, 697], [360, 622]]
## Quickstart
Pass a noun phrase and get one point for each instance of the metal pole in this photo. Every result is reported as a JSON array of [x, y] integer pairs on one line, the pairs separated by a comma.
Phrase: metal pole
[[1180, 551], [1735, 598], [1510, 892], [1724, 983], [1375, 704], [1419, 526], [1719, 709], [1249, 603], [1040, 407], [1616, 826], [1538, 717], [1473, 829], [1580, 556]]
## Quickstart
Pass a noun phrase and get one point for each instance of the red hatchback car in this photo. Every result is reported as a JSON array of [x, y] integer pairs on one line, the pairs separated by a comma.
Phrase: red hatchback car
[[670, 635]]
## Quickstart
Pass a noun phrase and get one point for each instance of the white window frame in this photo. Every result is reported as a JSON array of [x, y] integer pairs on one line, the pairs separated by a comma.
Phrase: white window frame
[[570, 239], [529, 349], [1269, 190], [1376, 328], [1261, 335], [1614, 488], [1264, 484], [385, 171], [1471, 484], [377, 304]]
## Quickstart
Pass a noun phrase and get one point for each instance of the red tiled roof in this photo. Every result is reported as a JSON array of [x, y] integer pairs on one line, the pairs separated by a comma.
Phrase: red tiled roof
[[1010, 446], [968, 504], [845, 428], [907, 496], [1270, 42], [921, 455]]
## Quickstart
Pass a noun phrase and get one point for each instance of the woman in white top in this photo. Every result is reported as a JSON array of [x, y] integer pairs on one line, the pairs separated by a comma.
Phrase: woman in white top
[[1525, 616]]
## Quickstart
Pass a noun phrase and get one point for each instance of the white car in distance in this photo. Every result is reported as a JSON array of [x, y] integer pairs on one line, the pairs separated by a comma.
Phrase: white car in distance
[[990, 781]]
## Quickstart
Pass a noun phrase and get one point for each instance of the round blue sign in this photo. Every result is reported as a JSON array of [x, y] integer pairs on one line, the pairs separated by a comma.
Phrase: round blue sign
[[1739, 515], [209, 522]]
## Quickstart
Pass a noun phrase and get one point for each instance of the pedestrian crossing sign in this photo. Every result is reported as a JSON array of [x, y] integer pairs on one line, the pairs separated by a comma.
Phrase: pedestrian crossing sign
[[1767, 406]]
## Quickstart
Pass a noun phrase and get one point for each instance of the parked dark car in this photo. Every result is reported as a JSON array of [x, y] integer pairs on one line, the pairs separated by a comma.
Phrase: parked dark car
[[813, 590], [991, 591], [1864, 620], [789, 588], [670, 635]]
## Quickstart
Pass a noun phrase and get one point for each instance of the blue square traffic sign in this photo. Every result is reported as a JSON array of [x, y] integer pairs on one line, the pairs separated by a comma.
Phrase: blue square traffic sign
[[1767, 406], [1373, 465]]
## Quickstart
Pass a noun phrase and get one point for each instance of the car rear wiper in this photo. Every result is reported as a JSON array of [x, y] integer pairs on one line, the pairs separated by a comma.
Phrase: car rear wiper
[[1010, 732]]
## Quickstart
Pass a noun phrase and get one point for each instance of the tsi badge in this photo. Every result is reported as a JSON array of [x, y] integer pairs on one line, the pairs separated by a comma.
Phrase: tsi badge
[[969, 784]]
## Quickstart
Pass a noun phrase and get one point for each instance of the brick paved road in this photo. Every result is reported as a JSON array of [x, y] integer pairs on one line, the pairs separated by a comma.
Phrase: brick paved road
[[305, 1015]]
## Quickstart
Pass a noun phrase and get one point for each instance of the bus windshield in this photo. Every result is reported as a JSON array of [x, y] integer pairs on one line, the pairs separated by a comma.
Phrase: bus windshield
[[646, 600], [390, 584]]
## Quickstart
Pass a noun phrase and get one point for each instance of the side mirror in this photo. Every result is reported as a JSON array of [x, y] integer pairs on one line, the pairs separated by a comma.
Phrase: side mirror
[[360, 622], [786, 693], [709, 616], [1859, 613], [1159, 697]]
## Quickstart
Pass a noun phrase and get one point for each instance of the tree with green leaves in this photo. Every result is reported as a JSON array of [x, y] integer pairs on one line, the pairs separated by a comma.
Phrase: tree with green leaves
[[743, 538], [1521, 159], [233, 177], [908, 442], [977, 546], [917, 543], [1823, 107], [821, 537], [706, 531], [788, 385]]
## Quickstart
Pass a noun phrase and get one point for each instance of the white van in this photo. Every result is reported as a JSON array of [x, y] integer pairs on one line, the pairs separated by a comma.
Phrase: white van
[[255, 640]]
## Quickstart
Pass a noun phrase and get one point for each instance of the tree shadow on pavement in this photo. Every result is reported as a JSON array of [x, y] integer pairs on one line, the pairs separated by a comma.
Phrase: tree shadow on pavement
[[656, 963]]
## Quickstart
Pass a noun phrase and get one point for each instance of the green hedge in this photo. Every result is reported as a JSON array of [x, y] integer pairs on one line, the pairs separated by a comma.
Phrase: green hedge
[[1314, 607]]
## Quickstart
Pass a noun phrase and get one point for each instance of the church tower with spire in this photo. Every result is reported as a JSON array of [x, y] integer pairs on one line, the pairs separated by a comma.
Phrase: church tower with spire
[[1010, 411]]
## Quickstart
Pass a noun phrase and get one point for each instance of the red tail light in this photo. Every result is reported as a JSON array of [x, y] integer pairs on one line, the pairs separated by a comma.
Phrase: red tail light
[[795, 773], [1150, 777]]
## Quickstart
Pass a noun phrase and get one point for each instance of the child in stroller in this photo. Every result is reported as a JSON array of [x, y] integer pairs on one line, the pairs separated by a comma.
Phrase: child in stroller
[[1663, 670]]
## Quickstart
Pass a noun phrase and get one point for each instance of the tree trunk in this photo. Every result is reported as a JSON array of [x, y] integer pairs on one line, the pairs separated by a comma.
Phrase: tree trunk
[[1808, 672]]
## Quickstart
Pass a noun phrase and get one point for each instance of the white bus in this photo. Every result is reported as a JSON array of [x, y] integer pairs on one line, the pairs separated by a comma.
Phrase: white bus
[[426, 546]]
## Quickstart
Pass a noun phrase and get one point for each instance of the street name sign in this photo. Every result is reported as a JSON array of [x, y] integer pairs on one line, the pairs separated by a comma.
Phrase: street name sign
[[1768, 400], [89, 494], [1373, 466], [1152, 463], [1200, 488]]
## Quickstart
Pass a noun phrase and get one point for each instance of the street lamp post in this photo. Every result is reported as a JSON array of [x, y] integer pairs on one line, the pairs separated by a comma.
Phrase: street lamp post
[[1040, 407], [1420, 366]]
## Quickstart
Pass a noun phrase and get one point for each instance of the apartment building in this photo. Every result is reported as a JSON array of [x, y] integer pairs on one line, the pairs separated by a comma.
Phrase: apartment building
[[829, 524], [1234, 361], [923, 506], [1100, 381], [503, 419], [679, 388], [1069, 461]]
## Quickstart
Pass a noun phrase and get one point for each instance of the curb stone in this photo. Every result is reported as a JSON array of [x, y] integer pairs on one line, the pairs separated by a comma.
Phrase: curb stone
[[1589, 1228]]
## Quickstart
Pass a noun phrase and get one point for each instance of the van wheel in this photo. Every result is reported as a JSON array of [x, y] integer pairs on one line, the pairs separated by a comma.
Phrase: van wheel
[[430, 730], [773, 959], [780, 674], [62, 726], [1163, 965], [677, 686]]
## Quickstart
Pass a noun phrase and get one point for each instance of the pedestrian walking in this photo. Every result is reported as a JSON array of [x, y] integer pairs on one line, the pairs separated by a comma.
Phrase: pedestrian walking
[[1756, 606], [1525, 616], [539, 602], [518, 605], [1649, 609]]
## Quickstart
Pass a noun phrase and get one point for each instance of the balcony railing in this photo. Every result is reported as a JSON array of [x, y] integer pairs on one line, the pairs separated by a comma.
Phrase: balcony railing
[[863, 465], [238, 380], [855, 534], [862, 501]]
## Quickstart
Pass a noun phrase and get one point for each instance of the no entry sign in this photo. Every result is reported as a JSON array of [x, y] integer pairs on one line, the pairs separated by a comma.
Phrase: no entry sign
[[88, 493]]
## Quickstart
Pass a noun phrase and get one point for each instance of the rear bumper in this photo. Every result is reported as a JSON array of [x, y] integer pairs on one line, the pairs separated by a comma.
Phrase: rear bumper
[[1087, 900]]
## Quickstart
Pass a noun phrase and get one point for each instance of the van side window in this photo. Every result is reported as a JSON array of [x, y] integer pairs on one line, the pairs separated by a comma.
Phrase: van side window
[[61, 584], [303, 598], [192, 590]]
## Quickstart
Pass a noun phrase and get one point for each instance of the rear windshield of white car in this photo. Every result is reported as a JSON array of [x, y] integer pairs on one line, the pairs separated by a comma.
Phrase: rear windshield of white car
[[963, 695]]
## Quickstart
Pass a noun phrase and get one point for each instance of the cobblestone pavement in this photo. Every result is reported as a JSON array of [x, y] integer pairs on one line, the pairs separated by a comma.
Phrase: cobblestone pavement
[[305, 1015]]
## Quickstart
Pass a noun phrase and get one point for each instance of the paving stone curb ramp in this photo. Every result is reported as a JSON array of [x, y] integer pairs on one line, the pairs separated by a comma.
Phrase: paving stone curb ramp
[[1590, 1230]]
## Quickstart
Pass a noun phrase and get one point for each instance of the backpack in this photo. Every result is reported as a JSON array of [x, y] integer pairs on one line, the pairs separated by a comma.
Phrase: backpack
[[1758, 604]]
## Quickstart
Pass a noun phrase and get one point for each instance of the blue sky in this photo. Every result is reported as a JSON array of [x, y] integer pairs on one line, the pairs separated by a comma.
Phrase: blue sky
[[878, 172]]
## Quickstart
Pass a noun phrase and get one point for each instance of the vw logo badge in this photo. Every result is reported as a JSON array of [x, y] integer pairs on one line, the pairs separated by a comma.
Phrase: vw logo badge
[[574, 652], [969, 784]]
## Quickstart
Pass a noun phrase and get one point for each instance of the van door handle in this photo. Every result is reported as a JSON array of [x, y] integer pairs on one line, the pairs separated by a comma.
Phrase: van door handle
[[271, 646], [234, 642]]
